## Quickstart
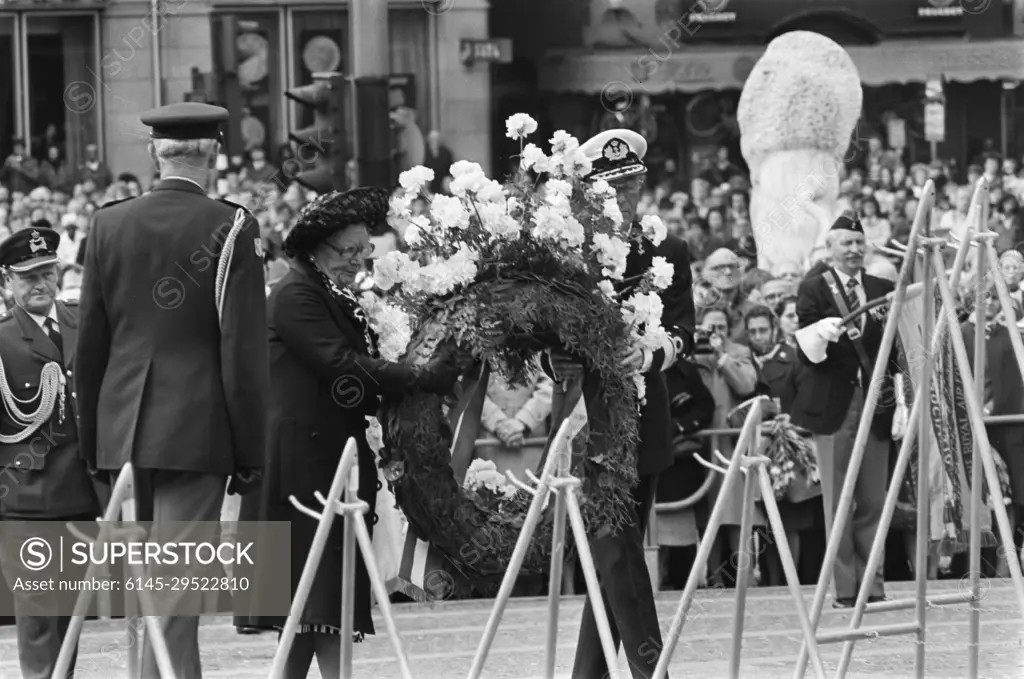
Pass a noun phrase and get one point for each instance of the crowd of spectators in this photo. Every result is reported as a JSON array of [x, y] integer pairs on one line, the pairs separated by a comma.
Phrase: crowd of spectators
[[750, 314]]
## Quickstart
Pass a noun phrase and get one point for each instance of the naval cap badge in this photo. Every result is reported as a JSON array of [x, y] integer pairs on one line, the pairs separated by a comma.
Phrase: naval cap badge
[[615, 149], [36, 243]]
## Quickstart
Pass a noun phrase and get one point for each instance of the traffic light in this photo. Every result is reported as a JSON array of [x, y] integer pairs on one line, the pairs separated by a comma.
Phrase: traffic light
[[321, 146], [375, 141]]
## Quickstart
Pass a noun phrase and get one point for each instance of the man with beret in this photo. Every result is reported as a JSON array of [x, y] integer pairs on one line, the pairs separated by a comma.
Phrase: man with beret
[[617, 158], [839, 361], [44, 478], [172, 382]]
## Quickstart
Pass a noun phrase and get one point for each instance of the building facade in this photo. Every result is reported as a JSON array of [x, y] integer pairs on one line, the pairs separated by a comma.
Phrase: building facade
[[673, 69], [79, 72]]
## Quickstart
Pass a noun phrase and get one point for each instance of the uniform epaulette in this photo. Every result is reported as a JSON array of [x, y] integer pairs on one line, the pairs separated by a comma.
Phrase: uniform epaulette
[[115, 202], [236, 206]]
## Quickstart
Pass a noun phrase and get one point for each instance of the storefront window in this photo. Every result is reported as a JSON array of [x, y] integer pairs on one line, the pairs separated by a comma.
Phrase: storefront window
[[59, 50], [8, 78]]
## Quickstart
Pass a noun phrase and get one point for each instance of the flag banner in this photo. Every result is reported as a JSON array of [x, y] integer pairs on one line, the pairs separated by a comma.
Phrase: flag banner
[[950, 442]]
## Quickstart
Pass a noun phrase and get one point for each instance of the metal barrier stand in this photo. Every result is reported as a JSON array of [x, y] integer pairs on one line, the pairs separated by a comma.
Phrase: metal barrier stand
[[153, 632], [919, 415], [744, 460], [554, 478], [346, 481]]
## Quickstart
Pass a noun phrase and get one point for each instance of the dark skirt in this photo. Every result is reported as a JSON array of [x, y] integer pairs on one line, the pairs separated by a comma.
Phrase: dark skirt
[[323, 606]]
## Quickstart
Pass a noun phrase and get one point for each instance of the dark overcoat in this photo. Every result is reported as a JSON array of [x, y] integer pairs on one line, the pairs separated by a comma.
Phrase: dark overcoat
[[825, 390], [1004, 389], [654, 450], [43, 476], [162, 382], [778, 371], [323, 385]]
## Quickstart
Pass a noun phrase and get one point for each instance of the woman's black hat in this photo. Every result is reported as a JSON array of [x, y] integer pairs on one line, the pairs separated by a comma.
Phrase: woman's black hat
[[333, 212]]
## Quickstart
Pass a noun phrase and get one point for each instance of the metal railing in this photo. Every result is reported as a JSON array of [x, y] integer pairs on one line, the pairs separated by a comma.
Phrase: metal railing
[[716, 435]]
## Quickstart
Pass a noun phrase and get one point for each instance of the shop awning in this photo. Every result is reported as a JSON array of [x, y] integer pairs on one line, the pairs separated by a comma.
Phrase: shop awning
[[692, 69]]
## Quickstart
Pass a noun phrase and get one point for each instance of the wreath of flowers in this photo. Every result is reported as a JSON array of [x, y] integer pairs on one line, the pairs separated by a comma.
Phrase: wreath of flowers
[[497, 273]]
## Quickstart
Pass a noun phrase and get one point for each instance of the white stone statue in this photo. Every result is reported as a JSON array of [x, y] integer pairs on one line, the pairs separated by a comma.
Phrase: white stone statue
[[796, 114]]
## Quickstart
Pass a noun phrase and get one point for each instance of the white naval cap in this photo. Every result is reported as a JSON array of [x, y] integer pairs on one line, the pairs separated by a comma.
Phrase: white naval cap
[[615, 154]]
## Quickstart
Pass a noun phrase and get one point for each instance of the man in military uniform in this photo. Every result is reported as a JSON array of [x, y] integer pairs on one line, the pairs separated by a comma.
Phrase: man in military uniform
[[173, 380], [44, 479], [838, 362], [617, 157]]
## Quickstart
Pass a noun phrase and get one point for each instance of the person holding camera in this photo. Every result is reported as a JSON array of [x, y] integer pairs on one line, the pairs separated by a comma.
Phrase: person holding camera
[[727, 369]]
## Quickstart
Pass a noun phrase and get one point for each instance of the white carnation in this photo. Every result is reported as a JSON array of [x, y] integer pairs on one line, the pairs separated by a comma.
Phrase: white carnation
[[519, 126], [413, 236], [574, 233], [653, 228], [556, 225], [491, 192], [497, 222], [464, 167], [533, 157], [602, 189], [662, 272], [391, 325], [467, 183], [391, 269], [484, 474], [558, 187], [607, 288], [576, 164], [611, 254], [641, 387], [449, 212], [556, 164], [462, 265], [401, 205], [413, 179], [394, 332], [548, 223], [611, 211], [643, 309], [558, 201], [563, 142], [421, 222]]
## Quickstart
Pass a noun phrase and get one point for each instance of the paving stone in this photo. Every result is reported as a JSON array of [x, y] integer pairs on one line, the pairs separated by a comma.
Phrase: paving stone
[[440, 640]]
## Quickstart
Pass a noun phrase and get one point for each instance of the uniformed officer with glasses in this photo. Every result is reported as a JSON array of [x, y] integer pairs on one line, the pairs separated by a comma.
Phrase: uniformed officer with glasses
[[617, 158]]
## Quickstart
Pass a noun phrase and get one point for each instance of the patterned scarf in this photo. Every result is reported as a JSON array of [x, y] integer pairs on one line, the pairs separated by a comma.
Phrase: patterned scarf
[[349, 301]]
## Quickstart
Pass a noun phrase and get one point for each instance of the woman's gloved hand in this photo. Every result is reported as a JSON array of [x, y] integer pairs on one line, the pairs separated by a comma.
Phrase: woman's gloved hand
[[439, 378]]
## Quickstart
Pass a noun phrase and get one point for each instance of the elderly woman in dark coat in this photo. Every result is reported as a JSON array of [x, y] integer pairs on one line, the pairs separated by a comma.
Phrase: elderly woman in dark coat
[[325, 379]]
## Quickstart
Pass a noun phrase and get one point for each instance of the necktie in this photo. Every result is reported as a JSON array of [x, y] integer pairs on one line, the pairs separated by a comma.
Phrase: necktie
[[854, 299], [55, 336]]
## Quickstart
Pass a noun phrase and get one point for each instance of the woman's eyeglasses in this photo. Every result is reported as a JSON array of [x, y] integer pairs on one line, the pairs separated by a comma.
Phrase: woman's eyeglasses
[[352, 252]]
